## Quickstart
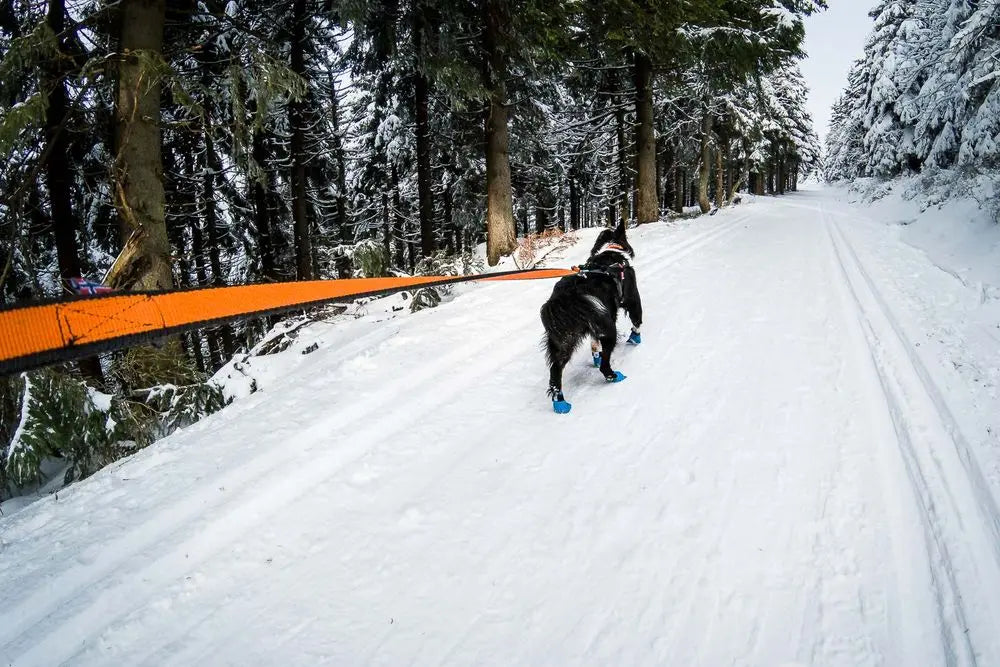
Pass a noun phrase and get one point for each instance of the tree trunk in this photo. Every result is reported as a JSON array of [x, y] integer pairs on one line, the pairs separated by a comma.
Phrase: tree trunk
[[341, 160], [678, 186], [720, 187], [386, 228], [212, 168], [296, 122], [423, 141], [145, 260], [500, 232], [706, 159], [57, 172], [454, 244], [739, 176], [669, 169], [661, 169], [56, 167], [647, 206], [574, 204], [262, 211], [138, 167], [780, 168], [623, 175], [399, 222], [215, 351]]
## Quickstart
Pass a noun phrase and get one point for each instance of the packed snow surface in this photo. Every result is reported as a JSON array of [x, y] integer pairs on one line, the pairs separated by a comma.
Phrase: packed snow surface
[[801, 468]]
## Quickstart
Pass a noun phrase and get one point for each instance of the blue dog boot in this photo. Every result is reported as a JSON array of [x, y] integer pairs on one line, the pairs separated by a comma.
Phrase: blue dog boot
[[634, 338], [559, 403], [617, 377], [597, 360]]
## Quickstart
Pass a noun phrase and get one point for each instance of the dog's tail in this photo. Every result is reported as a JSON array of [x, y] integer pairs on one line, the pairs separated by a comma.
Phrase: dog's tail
[[569, 318]]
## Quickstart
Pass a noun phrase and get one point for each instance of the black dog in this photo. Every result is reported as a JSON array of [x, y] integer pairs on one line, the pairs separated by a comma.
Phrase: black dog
[[585, 305]]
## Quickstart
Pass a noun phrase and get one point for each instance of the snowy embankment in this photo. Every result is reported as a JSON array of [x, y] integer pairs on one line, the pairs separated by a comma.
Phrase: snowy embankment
[[800, 468]]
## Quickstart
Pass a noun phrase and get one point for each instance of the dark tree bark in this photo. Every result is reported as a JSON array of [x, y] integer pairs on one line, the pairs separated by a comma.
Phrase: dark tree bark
[[574, 204], [647, 202], [338, 154], [262, 210], [399, 222], [57, 171], [386, 228], [678, 189], [706, 159], [421, 95], [500, 231], [296, 122], [623, 175], [138, 167], [720, 188], [213, 167]]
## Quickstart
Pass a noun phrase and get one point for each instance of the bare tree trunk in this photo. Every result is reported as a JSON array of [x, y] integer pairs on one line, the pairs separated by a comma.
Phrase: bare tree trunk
[[669, 179], [451, 234], [678, 186], [215, 351], [64, 221], [338, 154], [780, 168], [421, 94], [145, 260], [739, 176], [262, 211], [623, 176], [213, 167], [706, 159], [720, 188], [647, 206], [296, 122], [500, 233], [399, 222], [574, 204], [138, 167], [386, 228]]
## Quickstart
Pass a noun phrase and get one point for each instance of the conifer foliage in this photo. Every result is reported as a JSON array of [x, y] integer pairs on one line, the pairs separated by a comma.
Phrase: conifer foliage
[[178, 143], [925, 94]]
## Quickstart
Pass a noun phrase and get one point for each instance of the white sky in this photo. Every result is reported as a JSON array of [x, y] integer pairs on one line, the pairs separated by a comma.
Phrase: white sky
[[834, 38]]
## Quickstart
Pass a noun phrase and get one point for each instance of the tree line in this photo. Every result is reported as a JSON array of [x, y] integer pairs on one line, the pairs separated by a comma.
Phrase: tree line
[[157, 144], [153, 144], [924, 95]]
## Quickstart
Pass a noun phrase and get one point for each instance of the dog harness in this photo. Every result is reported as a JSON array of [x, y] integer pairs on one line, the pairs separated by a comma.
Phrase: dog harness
[[614, 271]]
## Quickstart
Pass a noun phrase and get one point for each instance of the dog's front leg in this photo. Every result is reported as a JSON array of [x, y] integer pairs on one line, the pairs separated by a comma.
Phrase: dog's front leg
[[632, 304]]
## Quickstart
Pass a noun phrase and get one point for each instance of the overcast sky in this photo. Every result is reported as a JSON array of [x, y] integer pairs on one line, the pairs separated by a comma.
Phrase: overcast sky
[[834, 38]]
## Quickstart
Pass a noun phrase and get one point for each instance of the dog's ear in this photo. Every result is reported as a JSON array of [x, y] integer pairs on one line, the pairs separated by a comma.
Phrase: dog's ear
[[620, 232], [622, 240], [606, 236]]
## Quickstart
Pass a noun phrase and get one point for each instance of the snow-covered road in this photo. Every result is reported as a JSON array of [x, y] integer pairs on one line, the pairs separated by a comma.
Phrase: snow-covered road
[[786, 477]]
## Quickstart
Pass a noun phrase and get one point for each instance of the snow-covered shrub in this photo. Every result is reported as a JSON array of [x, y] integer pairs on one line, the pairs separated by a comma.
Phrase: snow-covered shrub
[[58, 417], [440, 264], [61, 417]]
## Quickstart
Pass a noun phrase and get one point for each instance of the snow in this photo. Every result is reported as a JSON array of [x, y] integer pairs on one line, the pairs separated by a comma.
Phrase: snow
[[794, 472], [15, 440]]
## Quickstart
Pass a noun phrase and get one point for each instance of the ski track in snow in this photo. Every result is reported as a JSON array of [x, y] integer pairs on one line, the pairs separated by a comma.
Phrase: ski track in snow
[[782, 479]]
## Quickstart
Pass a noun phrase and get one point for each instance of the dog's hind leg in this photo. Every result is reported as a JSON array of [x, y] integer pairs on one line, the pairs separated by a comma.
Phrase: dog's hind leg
[[558, 356], [595, 351], [607, 347], [633, 305]]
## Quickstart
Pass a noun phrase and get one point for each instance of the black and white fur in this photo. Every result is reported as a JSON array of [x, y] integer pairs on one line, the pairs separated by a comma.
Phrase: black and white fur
[[585, 306]]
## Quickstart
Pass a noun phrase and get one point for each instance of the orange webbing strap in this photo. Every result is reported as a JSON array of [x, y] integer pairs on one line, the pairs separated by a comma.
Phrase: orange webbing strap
[[34, 335]]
